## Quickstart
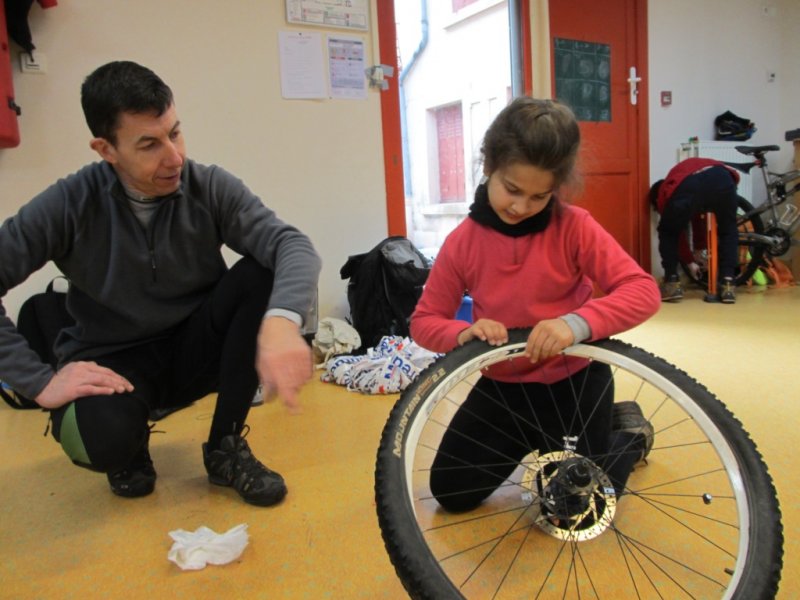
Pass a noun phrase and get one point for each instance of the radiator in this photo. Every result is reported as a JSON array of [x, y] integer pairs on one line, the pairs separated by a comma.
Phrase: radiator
[[726, 152]]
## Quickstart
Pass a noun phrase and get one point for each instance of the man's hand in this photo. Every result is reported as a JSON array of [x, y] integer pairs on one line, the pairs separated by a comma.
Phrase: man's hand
[[283, 360], [548, 338], [80, 379], [493, 332]]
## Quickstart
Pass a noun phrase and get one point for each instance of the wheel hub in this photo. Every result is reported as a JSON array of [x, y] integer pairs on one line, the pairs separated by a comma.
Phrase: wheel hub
[[782, 241], [576, 498]]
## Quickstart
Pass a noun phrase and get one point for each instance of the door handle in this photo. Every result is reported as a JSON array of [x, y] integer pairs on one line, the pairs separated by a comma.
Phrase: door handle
[[633, 81]]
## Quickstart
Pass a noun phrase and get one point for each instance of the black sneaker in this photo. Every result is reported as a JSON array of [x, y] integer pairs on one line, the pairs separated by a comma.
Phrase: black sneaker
[[137, 479], [258, 397], [671, 289], [727, 291], [628, 417], [234, 465]]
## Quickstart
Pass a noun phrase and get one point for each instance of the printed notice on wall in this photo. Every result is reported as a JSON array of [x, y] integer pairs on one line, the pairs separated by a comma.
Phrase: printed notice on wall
[[348, 14], [346, 64], [302, 65]]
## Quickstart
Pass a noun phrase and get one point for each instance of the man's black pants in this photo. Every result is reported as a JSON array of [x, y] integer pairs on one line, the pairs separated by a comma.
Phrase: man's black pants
[[214, 350]]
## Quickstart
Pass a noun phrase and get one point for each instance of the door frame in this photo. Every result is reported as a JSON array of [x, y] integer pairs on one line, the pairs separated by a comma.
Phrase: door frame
[[643, 130], [390, 121]]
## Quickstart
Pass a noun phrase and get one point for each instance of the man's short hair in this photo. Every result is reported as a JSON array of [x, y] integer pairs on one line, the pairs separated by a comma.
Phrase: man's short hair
[[119, 87]]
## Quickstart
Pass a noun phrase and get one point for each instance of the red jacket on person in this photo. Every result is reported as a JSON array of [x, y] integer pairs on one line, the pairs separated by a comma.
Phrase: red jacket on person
[[520, 281]]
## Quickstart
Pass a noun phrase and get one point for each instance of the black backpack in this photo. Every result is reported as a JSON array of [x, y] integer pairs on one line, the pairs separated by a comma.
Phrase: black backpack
[[41, 318], [385, 285]]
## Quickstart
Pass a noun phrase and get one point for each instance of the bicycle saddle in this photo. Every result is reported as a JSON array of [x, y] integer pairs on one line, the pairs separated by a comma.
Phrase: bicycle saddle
[[743, 167], [755, 150]]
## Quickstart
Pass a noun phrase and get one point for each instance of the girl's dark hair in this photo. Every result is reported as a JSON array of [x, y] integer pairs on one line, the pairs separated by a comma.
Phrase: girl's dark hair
[[119, 87], [542, 133]]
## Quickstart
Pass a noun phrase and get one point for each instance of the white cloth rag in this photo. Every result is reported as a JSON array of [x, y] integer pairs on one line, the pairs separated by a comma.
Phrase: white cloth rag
[[387, 368], [193, 550], [334, 337]]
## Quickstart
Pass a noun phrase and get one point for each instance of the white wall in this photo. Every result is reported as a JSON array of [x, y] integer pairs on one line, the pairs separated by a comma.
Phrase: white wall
[[788, 70], [318, 163], [714, 56]]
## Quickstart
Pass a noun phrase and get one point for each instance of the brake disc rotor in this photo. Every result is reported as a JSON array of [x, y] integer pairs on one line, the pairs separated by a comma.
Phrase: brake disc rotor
[[594, 519]]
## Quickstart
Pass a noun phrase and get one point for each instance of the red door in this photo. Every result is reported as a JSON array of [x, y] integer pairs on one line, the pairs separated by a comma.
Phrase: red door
[[9, 128], [593, 47]]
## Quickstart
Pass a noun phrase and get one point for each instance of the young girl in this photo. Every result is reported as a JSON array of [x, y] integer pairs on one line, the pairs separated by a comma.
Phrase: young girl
[[527, 259]]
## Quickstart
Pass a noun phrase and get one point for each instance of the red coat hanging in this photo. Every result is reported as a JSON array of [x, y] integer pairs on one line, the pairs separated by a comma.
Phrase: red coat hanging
[[9, 128]]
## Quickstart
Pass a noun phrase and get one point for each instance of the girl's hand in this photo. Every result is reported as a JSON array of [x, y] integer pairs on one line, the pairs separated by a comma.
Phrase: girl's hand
[[548, 338], [493, 332]]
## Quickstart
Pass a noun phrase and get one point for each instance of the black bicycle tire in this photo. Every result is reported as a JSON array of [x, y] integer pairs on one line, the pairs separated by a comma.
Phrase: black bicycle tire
[[756, 250], [420, 573]]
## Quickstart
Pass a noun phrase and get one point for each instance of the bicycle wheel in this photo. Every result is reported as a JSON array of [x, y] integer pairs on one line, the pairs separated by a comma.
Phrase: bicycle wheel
[[699, 520], [750, 255]]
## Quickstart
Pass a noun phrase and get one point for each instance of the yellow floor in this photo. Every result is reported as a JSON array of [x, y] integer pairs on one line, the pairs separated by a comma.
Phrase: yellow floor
[[64, 535]]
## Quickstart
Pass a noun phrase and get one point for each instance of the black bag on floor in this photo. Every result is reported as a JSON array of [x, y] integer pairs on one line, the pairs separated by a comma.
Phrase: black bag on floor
[[385, 285], [41, 318]]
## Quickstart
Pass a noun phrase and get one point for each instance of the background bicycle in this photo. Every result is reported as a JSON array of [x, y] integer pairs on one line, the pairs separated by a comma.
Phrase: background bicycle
[[766, 230]]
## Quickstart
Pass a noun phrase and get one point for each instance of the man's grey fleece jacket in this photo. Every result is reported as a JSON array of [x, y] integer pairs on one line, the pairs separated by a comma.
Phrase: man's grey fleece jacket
[[130, 284]]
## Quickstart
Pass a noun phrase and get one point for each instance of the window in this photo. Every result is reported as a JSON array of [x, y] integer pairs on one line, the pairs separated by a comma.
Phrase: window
[[450, 145], [450, 89]]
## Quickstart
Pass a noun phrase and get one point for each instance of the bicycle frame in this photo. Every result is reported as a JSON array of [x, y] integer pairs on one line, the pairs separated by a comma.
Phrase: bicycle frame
[[778, 234]]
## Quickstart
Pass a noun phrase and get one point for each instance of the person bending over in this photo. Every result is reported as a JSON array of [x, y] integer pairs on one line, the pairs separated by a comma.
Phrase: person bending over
[[691, 189]]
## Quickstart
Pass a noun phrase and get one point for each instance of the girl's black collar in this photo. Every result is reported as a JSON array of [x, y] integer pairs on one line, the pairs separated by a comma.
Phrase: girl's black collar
[[481, 212]]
